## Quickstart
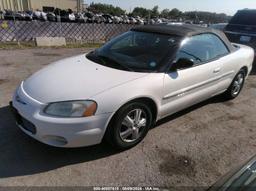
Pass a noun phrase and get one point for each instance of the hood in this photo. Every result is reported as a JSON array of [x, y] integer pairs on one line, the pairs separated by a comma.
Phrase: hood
[[74, 78]]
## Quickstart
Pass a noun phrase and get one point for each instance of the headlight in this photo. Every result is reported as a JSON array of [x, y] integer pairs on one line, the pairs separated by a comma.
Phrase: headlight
[[71, 109]]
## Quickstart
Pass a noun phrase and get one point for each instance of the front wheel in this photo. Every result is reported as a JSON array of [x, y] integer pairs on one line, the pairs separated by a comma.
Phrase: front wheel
[[129, 125], [236, 86]]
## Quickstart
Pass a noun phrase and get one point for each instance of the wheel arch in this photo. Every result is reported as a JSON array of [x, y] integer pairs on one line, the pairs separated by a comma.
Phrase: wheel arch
[[149, 102], [144, 99], [245, 68]]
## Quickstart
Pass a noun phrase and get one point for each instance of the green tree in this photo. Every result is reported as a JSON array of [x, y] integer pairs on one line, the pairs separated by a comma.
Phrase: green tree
[[165, 13], [206, 17], [155, 11], [106, 9], [175, 13], [140, 11]]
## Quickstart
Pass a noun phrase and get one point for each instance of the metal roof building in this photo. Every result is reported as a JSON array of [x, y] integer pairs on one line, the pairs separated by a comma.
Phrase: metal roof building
[[23, 5]]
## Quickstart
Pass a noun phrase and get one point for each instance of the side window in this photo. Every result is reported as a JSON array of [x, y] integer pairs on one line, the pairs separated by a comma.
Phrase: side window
[[219, 47], [201, 48]]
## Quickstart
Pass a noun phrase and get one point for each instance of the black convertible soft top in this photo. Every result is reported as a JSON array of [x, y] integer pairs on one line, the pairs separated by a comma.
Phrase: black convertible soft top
[[183, 30]]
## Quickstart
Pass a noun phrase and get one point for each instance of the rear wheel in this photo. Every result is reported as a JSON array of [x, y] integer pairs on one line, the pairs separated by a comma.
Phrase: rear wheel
[[129, 125], [236, 86]]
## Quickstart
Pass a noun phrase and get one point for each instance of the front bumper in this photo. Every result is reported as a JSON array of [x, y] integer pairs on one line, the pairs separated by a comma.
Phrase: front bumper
[[58, 132]]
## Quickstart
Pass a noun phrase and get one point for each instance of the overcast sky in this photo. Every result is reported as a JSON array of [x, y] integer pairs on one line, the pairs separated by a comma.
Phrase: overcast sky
[[219, 6]]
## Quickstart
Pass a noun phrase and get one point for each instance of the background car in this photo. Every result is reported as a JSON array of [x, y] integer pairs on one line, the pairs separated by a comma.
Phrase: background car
[[242, 28], [241, 178], [81, 17], [28, 15], [218, 26], [117, 20], [108, 18], [90, 17], [98, 18], [51, 17], [132, 20], [37, 15], [8, 15]]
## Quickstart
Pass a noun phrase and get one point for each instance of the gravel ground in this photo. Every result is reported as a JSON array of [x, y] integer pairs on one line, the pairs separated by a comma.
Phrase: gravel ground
[[193, 148]]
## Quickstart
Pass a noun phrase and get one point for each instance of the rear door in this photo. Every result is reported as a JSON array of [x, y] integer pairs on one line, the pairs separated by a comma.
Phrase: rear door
[[189, 85]]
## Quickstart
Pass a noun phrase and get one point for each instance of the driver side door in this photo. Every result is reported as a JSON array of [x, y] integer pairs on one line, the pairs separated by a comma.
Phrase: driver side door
[[187, 85]]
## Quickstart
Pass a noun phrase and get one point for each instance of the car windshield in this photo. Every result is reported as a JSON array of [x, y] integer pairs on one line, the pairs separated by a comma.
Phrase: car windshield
[[136, 51], [244, 18]]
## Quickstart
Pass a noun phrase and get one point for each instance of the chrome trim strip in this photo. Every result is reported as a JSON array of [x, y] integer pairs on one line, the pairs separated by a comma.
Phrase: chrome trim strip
[[182, 92]]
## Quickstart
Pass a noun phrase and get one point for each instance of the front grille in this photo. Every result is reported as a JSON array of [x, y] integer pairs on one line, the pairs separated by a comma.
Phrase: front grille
[[22, 122]]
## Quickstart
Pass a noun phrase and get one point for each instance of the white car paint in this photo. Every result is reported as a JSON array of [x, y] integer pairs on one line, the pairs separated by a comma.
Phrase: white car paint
[[83, 78], [78, 78]]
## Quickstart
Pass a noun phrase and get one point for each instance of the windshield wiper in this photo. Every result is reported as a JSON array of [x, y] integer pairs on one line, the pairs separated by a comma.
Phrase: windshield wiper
[[105, 60], [113, 61]]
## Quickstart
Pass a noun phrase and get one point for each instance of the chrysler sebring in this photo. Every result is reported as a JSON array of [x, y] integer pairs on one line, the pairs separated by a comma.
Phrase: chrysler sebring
[[117, 92]]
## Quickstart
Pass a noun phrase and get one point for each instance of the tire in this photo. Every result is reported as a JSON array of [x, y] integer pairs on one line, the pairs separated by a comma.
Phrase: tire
[[236, 86], [124, 131]]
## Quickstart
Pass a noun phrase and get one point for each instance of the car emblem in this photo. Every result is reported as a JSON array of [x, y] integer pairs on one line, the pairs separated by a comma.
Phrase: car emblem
[[18, 99]]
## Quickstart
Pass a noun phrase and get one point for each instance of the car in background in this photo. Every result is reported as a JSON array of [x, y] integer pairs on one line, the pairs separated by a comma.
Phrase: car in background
[[242, 28], [8, 15], [71, 17], [239, 179], [37, 15], [117, 20], [89, 16], [28, 15], [81, 18], [125, 19], [108, 18], [51, 17], [132, 20], [218, 26], [139, 20], [20, 16], [98, 18], [158, 21], [43, 16], [161, 68]]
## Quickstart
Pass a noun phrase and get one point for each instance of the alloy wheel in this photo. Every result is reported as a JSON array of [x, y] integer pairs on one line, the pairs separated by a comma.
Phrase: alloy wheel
[[237, 85], [133, 125]]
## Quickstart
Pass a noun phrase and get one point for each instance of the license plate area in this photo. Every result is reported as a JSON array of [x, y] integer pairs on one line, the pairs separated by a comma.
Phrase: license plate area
[[245, 38], [22, 122]]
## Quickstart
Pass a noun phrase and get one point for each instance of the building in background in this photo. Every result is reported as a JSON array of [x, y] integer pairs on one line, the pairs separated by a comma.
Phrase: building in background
[[84, 6], [23, 5]]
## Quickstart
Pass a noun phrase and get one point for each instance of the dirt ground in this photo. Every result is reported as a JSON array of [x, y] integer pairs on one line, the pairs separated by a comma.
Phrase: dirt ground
[[193, 148]]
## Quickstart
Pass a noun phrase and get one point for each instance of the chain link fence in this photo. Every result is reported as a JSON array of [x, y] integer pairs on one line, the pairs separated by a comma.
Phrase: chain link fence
[[26, 31]]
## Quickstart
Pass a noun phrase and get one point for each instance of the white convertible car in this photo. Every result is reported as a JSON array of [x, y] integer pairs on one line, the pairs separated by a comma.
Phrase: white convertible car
[[117, 92]]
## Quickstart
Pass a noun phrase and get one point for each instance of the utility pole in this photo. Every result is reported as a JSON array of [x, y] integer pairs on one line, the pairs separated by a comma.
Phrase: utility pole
[[78, 5]]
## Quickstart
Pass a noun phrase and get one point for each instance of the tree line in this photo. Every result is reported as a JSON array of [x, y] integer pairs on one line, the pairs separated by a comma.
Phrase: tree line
[[174, 14]]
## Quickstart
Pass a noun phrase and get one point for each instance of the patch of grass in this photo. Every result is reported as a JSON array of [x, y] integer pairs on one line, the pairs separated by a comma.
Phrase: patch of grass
[[83, 45], [26, 45], [17, 45]]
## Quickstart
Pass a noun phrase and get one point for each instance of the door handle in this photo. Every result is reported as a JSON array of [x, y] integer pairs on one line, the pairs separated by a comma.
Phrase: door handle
[[217, 70]]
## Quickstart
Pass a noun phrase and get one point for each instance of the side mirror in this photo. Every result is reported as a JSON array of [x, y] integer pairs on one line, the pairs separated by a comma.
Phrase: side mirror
[[182, 63]]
